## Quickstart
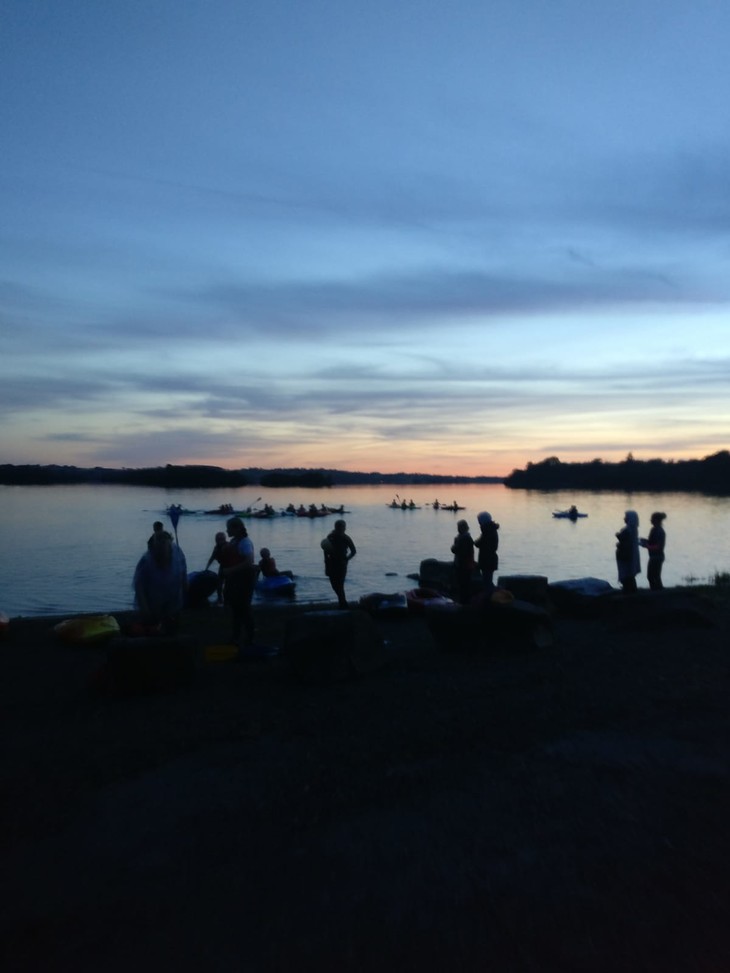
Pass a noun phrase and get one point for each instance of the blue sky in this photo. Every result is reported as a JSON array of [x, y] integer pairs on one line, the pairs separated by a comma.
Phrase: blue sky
[[416, 236]]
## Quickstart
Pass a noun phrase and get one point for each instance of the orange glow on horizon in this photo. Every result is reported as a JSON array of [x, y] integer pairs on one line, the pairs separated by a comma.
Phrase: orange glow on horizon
[[414, 463]]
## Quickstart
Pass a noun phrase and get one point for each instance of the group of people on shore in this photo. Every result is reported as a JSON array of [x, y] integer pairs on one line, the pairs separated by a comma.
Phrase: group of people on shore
[[628, 543], [161, 578], [628, 560], [486, 561]]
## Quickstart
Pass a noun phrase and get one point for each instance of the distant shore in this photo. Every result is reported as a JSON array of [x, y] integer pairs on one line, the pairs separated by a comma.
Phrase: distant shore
[[213, 477], [708, 475]]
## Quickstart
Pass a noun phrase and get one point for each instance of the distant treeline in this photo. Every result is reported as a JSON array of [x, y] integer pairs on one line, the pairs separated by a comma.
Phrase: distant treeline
[[303, 478], [708, 475], [172, 477], [208, 477], [329, 478]]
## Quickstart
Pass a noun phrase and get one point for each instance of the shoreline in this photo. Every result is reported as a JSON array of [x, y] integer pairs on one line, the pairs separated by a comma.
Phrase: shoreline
[[285, 607], [282, 607], [557, 808]]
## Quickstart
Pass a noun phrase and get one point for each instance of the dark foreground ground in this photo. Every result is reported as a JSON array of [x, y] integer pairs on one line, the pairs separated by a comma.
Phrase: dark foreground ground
[[563, 808]]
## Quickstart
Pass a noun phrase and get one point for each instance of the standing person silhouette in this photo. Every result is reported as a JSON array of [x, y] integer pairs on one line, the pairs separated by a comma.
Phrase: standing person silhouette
[[628, 561], [487, 544], [463, 551], [338, 550], [239, 576], [157, 528], [219, 554], [654, 545]]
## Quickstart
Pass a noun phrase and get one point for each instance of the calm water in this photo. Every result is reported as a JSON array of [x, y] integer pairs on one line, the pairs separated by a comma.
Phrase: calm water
[[73, 549]]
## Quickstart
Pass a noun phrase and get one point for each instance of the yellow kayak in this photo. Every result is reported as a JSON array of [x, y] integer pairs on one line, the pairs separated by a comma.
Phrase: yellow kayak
[[87, 629]]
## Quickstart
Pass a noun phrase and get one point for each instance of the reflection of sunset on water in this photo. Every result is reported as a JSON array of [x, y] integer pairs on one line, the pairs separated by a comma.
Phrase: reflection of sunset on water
[[93, 536]]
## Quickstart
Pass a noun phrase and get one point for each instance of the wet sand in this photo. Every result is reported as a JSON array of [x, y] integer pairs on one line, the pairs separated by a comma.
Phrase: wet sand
[[507, 808]]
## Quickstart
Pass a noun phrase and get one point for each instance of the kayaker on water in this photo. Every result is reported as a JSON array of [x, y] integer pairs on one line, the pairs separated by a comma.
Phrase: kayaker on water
[[268, 567]]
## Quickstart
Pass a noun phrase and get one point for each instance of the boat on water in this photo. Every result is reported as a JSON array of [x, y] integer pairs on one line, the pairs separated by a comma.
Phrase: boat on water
[[453, 507], [312, 511], [227, 511], [265, 513], [572, 513], [403, 506], [279, 585]]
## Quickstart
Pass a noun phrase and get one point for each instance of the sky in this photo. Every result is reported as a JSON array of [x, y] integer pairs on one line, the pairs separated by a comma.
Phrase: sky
[[448, 238]]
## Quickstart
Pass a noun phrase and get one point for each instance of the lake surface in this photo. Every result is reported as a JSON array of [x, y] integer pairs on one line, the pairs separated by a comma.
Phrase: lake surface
[[68, 549]]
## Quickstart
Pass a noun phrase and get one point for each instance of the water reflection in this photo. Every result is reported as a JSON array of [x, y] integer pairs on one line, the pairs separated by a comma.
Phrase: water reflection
[[73, 548]]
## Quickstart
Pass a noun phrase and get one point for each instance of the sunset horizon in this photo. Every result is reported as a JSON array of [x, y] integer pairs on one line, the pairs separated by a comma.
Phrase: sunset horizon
[[385, 470], [385, 238]]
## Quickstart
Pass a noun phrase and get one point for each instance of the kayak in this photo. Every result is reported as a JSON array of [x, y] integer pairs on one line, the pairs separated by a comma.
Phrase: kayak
[[393, 606], [279, 585], [419, 599], [220, 653], [87, 629], [201, 585], [241, 514], [567, 515]]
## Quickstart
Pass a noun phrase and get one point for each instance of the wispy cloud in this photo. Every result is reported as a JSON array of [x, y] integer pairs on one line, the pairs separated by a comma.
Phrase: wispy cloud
[[304, 232]]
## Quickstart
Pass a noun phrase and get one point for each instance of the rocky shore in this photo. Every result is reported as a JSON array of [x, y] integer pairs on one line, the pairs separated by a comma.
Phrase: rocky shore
[[489, 804]]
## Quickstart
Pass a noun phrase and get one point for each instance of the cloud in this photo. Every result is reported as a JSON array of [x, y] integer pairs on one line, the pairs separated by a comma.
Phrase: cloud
[[425, 300], [22, 394], [394, 226], [681, 191], [70, 437], [400, 380]]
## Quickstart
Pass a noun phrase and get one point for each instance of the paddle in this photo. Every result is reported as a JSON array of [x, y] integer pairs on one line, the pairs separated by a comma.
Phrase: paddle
[[174, 514]]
